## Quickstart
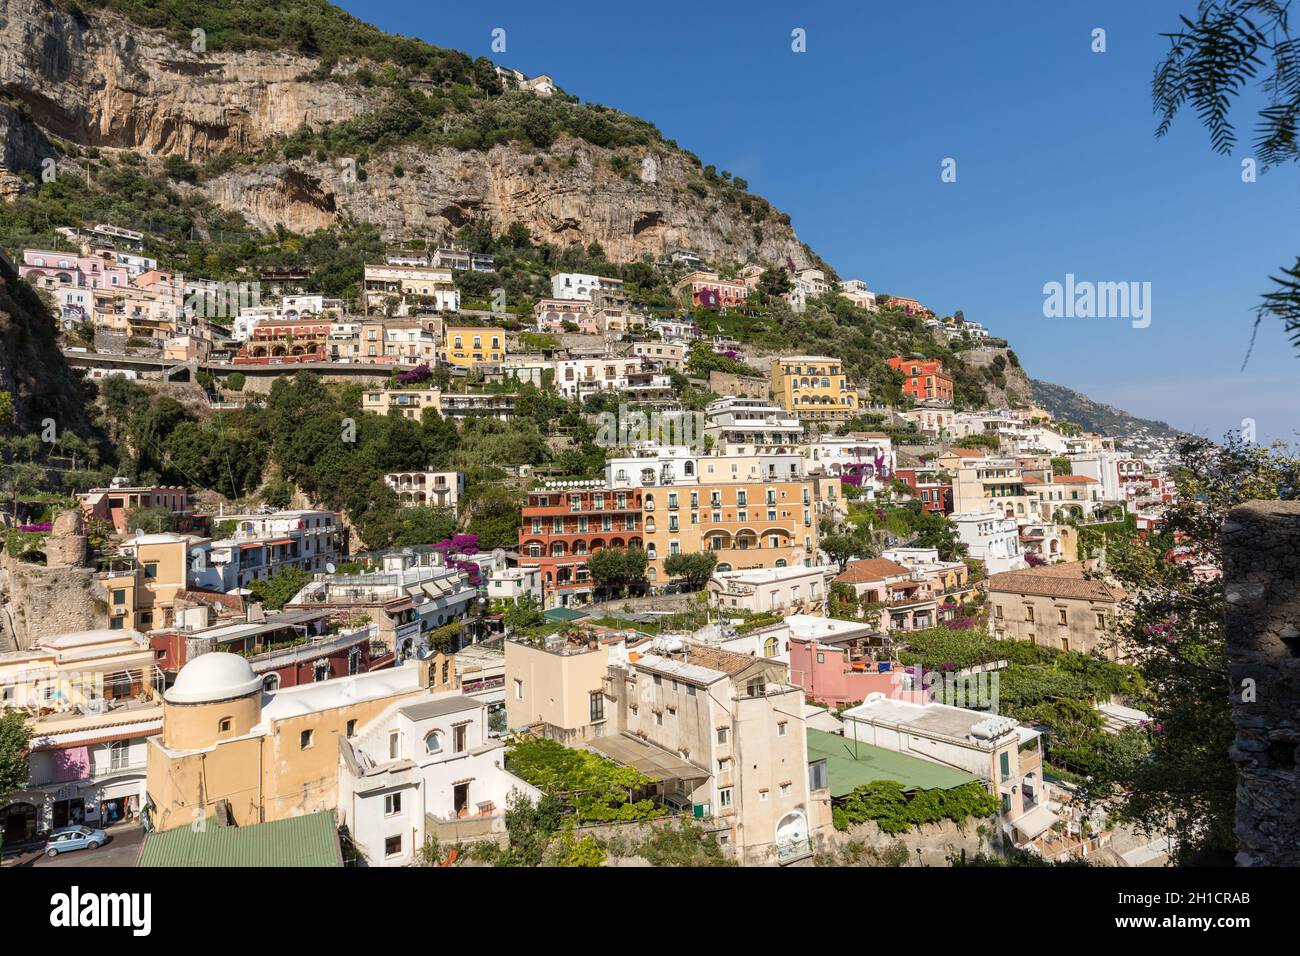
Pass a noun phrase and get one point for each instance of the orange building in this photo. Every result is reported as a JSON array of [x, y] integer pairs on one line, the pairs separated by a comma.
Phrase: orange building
[[562, 523], [924, 379]]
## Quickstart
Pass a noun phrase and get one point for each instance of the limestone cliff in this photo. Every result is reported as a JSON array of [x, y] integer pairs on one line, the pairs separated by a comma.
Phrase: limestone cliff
[[98, 81]]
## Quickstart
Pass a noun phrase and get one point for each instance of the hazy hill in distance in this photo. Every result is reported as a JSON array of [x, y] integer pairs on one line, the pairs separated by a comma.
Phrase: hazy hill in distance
[[1066, 403]]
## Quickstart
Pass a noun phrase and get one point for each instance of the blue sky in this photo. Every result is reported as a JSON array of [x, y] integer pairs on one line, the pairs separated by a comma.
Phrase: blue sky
[[1058, 169]]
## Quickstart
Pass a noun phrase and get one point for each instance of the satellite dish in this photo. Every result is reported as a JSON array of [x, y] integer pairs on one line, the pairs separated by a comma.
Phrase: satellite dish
[[139, 533], [329, 566]]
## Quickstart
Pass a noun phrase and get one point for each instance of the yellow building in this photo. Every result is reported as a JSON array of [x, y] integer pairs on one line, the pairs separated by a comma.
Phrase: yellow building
[[813, 387], [468, 346], [748, 525], [264, 755], [143, 579]]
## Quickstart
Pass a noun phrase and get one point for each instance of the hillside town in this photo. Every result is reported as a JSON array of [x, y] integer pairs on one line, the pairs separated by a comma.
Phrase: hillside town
[[741, 593], [409, 461]]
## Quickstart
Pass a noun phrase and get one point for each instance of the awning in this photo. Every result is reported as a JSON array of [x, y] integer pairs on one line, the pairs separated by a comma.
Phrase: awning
[[634, 752], [1036, 822]]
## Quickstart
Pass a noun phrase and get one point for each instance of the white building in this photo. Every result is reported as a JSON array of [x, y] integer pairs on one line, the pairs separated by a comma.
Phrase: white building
[[511, 584], [856, 291], [576, 285], [866, 458], [422, 763], [578, 378], [407, 597], [1113, 469], [264, 542], [751, 425], [793, 590], [1005, 756], [674, 330], [991, 538], [653, 465]]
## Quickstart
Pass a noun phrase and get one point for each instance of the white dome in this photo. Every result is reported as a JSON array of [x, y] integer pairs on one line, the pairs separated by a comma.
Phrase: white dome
[[211, 677]]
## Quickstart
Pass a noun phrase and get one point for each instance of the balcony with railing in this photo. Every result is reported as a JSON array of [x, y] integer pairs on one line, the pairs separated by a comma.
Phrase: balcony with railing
[[787, 853]]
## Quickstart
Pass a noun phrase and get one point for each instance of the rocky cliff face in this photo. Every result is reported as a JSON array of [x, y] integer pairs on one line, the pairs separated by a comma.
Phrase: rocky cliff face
[[32, 369], [559, 200], [113, 85]]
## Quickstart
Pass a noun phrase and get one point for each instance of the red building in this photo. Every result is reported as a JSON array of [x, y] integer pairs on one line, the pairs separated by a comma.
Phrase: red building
[[287, 648], [288, 340], [924, 379], [562, 524], [909, 306], [928, 487]]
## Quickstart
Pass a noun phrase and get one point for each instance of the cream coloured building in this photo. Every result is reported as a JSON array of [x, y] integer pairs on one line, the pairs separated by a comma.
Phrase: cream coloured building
[[1056, 606], [555, 686], [725, 734], [93, 699]]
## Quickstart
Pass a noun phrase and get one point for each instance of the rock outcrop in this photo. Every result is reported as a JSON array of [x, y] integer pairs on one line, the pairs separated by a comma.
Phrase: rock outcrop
[[137, 89]]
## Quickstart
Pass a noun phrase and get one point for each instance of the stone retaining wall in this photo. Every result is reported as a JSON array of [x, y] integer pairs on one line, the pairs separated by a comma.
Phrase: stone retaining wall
[[1261, 569]]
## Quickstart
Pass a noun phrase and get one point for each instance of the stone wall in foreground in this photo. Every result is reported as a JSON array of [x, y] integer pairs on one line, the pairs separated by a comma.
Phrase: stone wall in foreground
[[1261, 567]]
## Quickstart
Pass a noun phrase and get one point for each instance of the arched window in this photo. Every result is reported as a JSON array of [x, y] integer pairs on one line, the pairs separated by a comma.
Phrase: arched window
[[271, 682], [433, 743], [769, 647]]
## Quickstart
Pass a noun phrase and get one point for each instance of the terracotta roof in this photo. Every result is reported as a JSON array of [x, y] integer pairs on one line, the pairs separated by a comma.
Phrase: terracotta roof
[[872, 569], [214, 599], [1074, 480], [967, 452], [714, 658], [1055, 580]]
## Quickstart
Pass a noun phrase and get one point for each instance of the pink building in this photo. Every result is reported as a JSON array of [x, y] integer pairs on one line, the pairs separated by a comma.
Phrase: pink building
[[709, 290], [117, 501], [831, 673], [50, 269]]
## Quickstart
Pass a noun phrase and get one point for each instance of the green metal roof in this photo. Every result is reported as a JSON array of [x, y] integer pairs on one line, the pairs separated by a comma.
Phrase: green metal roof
[[563, 614], [851, 764], [309, 840]]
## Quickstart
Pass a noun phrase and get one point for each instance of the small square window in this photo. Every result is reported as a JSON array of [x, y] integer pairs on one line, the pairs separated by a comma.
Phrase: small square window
[[306, 739], [393, 846]]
